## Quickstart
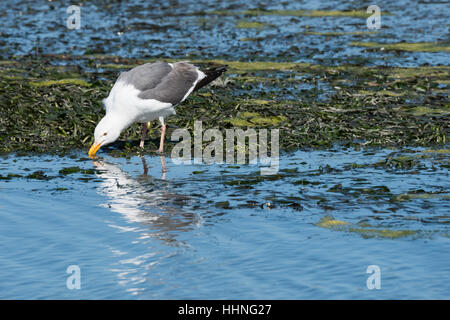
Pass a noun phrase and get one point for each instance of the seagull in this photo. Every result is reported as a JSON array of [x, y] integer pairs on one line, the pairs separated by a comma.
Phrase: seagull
[[145, 93]]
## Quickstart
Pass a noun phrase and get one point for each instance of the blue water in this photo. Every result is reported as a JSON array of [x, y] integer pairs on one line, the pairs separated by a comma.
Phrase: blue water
[[203, 231], [180, 29], [166, 236]]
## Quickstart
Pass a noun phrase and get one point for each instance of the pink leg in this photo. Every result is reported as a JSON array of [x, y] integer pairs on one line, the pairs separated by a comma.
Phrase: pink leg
[[163, 165], [163, 133], [143, 134], [144, 164]]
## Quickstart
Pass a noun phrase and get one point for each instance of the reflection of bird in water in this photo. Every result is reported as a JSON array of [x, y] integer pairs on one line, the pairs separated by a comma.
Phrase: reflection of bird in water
[[145, 200], [152, 210]]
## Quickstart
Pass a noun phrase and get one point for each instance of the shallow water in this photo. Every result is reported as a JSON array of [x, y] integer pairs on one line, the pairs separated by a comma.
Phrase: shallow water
[[224, 231], [188, 29]]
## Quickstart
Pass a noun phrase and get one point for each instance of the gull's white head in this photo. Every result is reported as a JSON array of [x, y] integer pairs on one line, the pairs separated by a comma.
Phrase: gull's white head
[[107, 131]]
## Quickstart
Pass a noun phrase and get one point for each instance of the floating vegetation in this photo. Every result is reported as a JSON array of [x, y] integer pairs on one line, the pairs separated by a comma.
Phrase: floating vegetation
[[47, 83], [246, 115], [297, 13], [251, 39], [404, 46], [376, 190], [421, 195], [251, 25], [366, 232], [38, 175], [383, 233], [267, 121], [198, 172], [57, 112], [222, 205], [71, 170], [423, 110], [408, 161], [381, 93], [337, 34], [330, 222], [10, 176], [255, 65], [116, 66], [442, 151], [253, 119]]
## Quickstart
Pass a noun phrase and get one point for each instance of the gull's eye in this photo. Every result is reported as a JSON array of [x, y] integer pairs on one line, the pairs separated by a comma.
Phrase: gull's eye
[[105, 133]]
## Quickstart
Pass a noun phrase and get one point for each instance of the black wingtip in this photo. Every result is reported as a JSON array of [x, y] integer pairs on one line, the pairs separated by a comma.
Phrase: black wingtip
[[211, 75]]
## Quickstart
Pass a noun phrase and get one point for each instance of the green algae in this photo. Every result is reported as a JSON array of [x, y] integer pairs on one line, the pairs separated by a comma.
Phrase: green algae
[[253, 65], [253, 119], [437, 72], [47, 83], [71, 170], [442, 151], [297, 13], [250, 25], [198, 172], [10, 176], [293, 170], [116, 66], [255, 178], [12, 77], [374, 192], [404, 46], [246, 114], [222, 205], [251, 39], [383, 233], [7, 62], [267, 121], [304, 182], [369, 106], [60, 189], [236, 122], [259, 101], [337, 34], [38, 175], [329, 222], [382, 93], [421, 195], [424, 110], [407, 160]]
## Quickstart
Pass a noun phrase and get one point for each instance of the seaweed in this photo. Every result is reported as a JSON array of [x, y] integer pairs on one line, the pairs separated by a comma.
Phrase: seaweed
[[360, 106]]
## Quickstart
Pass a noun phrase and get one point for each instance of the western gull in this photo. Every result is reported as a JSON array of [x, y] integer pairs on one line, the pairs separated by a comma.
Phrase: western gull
[[145, 93]]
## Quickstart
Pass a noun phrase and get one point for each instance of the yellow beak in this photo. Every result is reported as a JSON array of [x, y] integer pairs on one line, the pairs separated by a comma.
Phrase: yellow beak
[[93, 150]]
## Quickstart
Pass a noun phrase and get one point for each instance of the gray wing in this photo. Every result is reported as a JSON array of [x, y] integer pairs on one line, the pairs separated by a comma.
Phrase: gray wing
[[174, 86], [146, 76]]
